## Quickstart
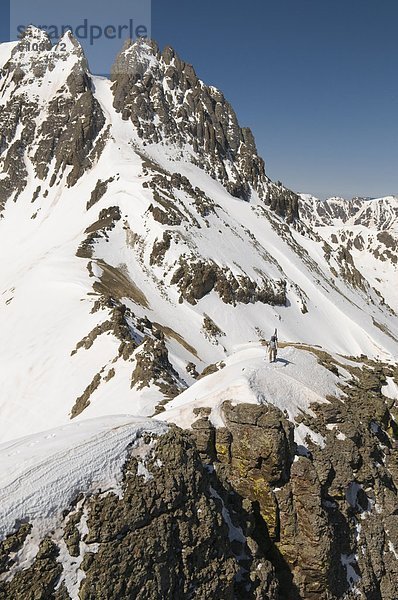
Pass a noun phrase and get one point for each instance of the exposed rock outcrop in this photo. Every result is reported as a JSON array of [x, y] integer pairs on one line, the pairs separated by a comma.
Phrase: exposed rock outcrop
[[327, 521], [169, 535], [66, 138], [195, 279], [152, 366]]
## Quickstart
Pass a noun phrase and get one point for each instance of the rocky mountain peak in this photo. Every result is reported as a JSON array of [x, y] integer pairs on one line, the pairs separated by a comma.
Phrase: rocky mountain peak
[[35, 35], [35, 54], [48, 111], [140, 56], [168, 104]]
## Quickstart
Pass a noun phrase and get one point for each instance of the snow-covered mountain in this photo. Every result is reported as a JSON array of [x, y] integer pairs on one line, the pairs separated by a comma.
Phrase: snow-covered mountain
[[367, 230], [141, 240], [145, 258]]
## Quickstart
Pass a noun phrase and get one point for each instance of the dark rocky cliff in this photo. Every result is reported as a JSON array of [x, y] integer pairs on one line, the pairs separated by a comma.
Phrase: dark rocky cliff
[[326, 518]]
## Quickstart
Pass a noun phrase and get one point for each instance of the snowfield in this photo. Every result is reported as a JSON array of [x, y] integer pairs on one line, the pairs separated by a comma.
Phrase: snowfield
[[40, 475], [390, 390]]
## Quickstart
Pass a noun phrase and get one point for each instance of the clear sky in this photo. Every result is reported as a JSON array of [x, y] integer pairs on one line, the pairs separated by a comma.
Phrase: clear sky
[[316, 80]]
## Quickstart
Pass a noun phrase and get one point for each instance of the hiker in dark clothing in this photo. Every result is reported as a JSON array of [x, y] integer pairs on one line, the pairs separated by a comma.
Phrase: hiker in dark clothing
[[273, 348]]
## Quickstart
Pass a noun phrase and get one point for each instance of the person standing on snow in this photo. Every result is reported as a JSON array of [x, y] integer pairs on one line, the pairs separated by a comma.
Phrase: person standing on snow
[[273, 347]]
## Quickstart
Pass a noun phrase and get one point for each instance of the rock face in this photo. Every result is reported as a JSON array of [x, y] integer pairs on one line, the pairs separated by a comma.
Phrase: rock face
[[153, 366], [259, 455], [196, 279], [68, 135], [165, 537]]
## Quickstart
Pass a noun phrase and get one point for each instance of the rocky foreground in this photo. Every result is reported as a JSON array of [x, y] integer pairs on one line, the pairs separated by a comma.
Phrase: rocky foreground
[[239, 511]]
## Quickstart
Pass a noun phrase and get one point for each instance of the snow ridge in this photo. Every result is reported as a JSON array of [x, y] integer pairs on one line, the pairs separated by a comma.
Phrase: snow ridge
[[54, 467], [293, 383]]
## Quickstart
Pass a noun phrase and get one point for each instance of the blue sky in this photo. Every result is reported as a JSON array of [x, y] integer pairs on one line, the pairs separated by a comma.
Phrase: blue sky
[[316, 80]]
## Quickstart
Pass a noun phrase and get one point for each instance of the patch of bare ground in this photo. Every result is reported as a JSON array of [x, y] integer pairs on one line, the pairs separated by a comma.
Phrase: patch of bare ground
[[84, 400], [170, 333], [115, 282]]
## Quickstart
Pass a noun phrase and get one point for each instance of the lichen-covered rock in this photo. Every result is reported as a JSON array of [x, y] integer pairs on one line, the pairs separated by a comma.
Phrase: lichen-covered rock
[[260, 455], [326, 521], [306, 538]]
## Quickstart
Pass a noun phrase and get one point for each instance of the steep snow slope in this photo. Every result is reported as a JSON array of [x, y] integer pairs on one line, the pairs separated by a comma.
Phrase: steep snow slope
[[141, 241], [5, 52]]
